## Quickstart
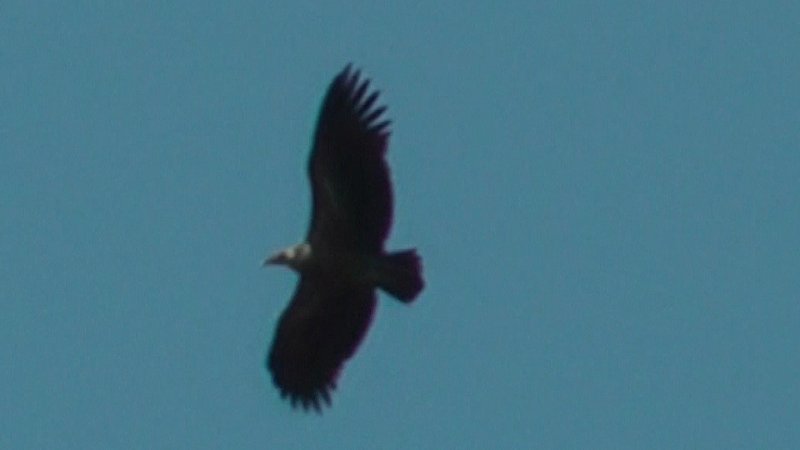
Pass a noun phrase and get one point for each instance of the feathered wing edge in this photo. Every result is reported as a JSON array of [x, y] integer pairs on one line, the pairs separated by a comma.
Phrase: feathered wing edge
[[352, 88], [317, 333], [350, 179]]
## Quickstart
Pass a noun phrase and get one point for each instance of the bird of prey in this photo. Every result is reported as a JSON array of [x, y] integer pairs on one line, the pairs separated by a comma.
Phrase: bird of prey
[[342, 261]]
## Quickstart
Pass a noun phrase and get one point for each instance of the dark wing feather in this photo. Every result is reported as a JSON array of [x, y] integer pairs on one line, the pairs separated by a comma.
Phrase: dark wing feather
[[351, 187], [320, 330]]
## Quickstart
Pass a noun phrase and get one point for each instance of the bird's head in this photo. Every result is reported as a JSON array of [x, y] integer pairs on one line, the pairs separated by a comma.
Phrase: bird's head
[[295, 257]]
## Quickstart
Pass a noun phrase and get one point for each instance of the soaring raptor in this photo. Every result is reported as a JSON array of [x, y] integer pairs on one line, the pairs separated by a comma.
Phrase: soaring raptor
[[343, 260]]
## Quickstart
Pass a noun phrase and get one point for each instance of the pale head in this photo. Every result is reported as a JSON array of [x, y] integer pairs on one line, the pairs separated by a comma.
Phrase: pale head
[[294, 257]]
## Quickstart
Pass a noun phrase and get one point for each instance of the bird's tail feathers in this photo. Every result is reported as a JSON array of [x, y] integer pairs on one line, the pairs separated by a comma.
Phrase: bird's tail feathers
[[400, 274]]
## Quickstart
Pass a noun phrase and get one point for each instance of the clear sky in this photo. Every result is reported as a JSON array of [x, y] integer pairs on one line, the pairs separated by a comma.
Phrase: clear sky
[[605, 196]]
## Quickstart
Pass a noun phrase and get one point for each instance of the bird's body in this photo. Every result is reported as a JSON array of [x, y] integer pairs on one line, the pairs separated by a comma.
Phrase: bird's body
[[343, 260]]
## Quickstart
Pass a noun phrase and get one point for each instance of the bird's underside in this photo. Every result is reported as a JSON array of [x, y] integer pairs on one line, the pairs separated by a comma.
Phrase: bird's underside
[[343, 261]]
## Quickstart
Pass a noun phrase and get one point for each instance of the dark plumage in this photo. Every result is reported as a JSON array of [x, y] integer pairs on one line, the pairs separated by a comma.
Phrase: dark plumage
[[342, 261]]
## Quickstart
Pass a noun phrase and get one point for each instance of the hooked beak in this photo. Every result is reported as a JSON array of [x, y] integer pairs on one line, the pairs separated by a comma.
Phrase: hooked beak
[[273, 260]]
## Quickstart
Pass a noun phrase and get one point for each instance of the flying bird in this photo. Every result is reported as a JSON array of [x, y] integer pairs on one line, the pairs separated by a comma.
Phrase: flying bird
[[342, 261]]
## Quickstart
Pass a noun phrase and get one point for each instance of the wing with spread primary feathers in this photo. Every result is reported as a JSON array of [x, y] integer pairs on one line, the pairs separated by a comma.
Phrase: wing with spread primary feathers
[[320, 330], [351, 186]]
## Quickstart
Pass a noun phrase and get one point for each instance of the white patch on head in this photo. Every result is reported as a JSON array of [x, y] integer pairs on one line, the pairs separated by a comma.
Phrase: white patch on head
[[298, 255], [302, 252]]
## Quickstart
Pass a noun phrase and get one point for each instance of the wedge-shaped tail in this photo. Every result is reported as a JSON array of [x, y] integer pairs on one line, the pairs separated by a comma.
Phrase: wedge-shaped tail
[[400, 275]]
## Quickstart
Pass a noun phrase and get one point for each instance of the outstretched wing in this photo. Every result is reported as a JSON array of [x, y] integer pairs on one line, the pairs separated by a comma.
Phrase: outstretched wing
[[319, 330], [351, 188]]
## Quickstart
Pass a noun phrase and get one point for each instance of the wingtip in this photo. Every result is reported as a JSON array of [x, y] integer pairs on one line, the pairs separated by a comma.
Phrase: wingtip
[[350, 73], [315, 402]]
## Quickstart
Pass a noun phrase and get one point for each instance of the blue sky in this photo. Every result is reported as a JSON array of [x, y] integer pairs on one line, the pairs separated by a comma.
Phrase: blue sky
[[605, 197]]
